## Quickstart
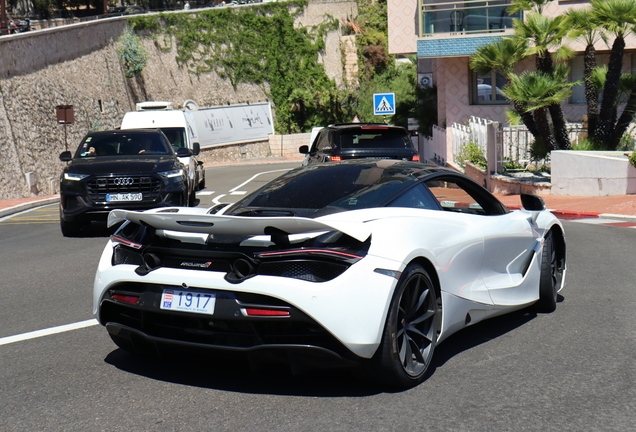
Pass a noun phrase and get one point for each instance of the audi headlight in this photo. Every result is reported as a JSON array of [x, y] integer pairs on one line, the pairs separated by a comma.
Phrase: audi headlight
[[74, 176], [174, 175]]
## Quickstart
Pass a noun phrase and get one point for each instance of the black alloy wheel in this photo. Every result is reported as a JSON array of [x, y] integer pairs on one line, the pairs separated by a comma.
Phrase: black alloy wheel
[[411, 331], [551, 275]]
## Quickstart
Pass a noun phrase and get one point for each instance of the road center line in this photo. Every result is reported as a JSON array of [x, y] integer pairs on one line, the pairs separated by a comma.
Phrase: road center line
[[48, 331]]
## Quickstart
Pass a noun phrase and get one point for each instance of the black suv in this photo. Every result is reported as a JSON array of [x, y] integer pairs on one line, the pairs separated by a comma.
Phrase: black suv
[[360, 140], [135, 169]]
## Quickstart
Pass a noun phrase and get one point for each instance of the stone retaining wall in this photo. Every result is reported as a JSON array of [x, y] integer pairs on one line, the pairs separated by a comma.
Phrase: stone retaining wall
[[78, 65]]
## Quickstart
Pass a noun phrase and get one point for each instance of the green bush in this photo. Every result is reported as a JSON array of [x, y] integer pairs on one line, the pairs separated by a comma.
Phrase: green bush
[[587, 144], [632, 158], [132, 54], [472, 153]]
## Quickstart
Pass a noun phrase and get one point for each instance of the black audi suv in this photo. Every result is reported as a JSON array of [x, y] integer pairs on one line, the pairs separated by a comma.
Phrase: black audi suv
[[135, 169]]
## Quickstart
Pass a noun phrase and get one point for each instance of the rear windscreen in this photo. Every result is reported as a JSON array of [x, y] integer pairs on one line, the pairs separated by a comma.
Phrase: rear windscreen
[[374, 138]]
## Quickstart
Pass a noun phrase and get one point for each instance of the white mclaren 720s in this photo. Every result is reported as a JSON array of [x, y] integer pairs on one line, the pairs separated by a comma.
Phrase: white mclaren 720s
[[365, 263]]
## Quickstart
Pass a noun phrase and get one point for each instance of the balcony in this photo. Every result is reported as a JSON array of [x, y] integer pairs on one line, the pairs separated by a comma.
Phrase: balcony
[[466, 17]]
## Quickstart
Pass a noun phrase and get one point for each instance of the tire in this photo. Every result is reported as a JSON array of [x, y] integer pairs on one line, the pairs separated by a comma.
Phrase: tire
[[68, 229], [202, 184], [411, 330], [551, 276], [191, 199]]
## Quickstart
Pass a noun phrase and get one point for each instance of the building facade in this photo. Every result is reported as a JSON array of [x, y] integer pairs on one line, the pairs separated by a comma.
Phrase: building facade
[[444, 34]]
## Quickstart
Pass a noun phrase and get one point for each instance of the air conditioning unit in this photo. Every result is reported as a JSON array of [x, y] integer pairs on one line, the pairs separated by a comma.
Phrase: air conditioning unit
[[154, 105], [425, 80]]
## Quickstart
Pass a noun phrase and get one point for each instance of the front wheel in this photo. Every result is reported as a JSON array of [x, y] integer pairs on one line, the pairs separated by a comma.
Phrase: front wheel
[[412, 327], [69, 229], [552, 266]]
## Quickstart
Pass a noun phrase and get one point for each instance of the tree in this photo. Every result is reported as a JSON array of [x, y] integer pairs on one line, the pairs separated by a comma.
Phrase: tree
[[583, 24], [616, 17], [539, 91], [546, 33], [502, 56]]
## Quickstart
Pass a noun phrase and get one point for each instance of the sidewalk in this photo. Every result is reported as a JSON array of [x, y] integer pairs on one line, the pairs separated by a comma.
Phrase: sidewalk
[[567, 207]]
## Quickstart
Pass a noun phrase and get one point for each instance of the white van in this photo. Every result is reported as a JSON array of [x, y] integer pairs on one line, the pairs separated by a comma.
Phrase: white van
[[176, 126]]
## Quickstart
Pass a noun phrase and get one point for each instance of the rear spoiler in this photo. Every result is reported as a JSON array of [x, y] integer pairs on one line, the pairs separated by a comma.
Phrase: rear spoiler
[[196, 220]]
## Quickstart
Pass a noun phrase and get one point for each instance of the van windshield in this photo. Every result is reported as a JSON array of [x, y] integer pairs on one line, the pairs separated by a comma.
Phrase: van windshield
[[176, 136]]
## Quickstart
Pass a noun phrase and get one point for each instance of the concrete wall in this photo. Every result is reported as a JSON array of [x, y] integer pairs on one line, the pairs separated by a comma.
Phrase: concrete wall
[[78, 65], [592, 173]]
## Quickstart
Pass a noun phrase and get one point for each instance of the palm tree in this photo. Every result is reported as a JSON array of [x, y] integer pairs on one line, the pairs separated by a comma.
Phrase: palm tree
[[547, 33], [583, 24], [527, 5], [627, 86], [617, 17], [539, 91], [502, 56]]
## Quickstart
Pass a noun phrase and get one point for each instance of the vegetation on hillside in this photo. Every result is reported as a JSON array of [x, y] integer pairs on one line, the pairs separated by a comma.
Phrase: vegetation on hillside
[[284, 60]]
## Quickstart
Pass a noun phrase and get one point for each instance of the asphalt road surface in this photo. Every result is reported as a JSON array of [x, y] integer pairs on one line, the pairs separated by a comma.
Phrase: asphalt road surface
[[571, 370]]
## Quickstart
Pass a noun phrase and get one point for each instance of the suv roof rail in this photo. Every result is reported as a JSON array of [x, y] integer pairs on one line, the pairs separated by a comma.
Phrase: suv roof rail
[[359, 124]]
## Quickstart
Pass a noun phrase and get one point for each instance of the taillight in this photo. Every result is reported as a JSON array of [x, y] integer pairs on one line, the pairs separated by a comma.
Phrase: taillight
[[416, 158], [131, 299], [257, 312], [301, 252], [122, 240], [335, 159]]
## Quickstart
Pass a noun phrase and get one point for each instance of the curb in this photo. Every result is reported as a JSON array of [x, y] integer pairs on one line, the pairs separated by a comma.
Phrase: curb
[[27, 206]]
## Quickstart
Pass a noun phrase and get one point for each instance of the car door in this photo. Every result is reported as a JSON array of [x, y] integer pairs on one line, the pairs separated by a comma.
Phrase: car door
[[511, 243], [321, 147]]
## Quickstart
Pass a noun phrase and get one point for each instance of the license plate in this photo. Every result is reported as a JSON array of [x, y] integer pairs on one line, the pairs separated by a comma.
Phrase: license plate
[[188, 301], [124, 197]]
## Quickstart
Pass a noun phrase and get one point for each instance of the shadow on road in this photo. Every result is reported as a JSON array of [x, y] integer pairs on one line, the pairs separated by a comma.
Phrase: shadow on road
[[236, 374]]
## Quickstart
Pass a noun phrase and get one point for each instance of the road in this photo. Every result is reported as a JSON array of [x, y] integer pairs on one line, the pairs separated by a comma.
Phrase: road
[[570, 370]]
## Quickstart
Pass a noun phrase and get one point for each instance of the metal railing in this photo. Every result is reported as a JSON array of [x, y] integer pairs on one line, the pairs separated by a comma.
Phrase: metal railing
[[470, 16]]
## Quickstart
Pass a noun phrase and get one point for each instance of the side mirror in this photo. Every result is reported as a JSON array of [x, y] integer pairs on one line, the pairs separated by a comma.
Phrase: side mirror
[[303, 149], [532, 202], [184, 152], [65, 156], [196, 148]]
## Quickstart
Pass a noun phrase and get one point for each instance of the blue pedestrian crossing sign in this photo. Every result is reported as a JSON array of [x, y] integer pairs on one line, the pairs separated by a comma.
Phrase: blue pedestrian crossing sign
[[384, 103]]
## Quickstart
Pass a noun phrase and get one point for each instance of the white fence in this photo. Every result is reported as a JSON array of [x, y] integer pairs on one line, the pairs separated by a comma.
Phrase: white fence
[[435, 149], [517, 141], [513, 143], [476, 132]]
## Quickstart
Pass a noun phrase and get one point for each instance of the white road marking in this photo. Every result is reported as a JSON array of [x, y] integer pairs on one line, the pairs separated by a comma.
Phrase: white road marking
[[216, 199], [205, 193], [235, 191], [48, 331], [256, 175]]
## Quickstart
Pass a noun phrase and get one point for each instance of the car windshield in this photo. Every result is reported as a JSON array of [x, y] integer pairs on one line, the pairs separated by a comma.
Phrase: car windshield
[[374, 138], [123, 144], [316, 190]]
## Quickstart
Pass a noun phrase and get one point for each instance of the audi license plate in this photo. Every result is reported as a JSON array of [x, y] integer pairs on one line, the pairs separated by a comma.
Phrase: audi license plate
[[124, 197], [188, 301]]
